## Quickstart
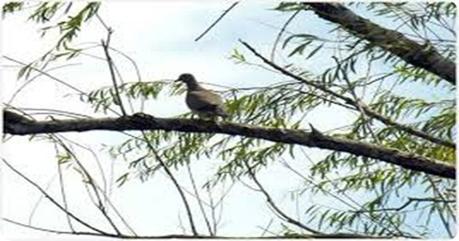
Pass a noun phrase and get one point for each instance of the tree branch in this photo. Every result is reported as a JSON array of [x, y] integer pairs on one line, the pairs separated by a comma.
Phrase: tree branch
[[199, 200], [53, 201], [422, 56], [175, 182], [216, 21], [105, 45], [273, 205], [407, 203], [91, 182], [184, 236], [289, 136], [358, 105]]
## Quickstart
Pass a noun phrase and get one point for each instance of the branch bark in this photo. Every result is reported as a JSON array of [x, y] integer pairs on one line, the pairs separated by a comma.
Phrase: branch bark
[[422, 56], [289, 136], [184, 236]]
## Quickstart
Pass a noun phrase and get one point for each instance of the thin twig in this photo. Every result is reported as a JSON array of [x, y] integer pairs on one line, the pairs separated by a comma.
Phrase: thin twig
[[90, 180], [175, 182], [102, 22], [279, 35], [120, 77], [62, 189], [137, 71], [52, 200], [29, 81], [336, 196], [213, 208], [54, 112], [407, 203], [199, 200], [96, 158], [216, 21], [105, 45], [123, 220], [46, 74], [37, 203], [358, 102], [440, 214], [273, 204], [266, 229], [342, 193], [56, 79]]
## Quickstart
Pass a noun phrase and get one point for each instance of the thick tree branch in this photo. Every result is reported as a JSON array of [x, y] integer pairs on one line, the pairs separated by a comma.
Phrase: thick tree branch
[[422, 56], [290, 136], [184, 236]]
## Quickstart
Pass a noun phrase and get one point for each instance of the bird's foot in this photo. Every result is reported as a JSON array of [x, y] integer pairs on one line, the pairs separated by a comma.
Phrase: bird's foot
[[142, 115]]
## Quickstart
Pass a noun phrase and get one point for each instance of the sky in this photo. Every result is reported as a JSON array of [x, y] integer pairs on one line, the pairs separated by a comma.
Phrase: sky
[[159, 36]]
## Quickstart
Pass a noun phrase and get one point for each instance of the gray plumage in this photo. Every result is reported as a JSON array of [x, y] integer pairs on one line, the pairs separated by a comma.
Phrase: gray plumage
[[205, 103]]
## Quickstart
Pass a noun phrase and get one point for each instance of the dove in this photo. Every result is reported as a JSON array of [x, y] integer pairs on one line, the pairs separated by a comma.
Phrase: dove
[[203, 102]]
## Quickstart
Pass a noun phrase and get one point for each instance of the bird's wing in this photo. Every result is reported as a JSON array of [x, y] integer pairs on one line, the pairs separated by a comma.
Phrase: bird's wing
[[204, 100]]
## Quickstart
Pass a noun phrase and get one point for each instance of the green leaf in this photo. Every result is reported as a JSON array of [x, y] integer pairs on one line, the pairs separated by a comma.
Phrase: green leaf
[[122, 179], [313, 52]]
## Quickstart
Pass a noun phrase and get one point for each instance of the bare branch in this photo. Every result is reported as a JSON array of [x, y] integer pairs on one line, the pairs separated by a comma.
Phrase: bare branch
[[407, 203], [279, 35], [175, 182], [199, 200], [44, 73], [216, 21], [63, 193], [90, 180], [52, 200], [105, 45], [274, 206]]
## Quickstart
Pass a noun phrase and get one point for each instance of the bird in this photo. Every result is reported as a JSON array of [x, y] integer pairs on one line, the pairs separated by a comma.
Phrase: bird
[[203, 102]]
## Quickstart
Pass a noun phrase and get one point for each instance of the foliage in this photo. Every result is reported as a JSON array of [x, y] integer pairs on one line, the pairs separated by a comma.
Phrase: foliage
[[50, 14]]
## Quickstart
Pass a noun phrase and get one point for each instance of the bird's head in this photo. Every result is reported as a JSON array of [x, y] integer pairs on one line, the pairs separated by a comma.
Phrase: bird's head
[[189, 80], [186, 78]]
